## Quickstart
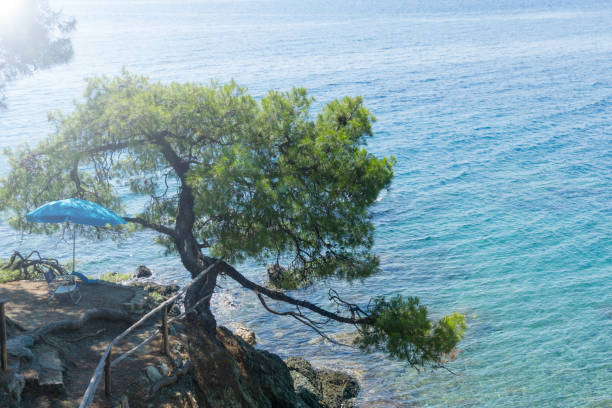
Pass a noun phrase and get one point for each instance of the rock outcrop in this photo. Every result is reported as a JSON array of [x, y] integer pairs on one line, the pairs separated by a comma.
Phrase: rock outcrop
[[245, 334], [321, 388], [247, 377], [142, 272], [276, 275], [243, 376]]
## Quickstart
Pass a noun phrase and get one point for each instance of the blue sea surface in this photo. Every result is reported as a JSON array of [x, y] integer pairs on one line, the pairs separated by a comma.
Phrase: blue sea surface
[[499, 114]]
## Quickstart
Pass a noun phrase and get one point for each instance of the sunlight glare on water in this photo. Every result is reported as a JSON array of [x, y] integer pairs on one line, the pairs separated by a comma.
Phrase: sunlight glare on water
[[500, 117]]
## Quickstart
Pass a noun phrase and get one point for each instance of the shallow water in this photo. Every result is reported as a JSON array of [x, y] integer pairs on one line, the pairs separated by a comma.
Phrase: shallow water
[[500, 117]]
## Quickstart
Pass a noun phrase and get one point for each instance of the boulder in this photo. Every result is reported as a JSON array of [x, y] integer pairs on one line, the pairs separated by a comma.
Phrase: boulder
[[306, 390], [142, 272], [164, 369], [19, 346], [229, 372], [321, 388], [303, 367], [243, 376], [245, 334], [153, 374], [336, 388]]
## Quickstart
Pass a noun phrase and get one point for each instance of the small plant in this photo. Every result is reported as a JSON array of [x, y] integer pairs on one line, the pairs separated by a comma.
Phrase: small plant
[[157, 297], [9, 274], [115, 277]]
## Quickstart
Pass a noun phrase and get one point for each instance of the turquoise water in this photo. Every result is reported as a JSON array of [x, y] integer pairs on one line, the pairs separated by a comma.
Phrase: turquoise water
[[500, 117]]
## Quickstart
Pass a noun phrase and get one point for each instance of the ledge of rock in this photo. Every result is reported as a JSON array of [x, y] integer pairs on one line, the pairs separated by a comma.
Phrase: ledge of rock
[[244, 333], [164, 290], [321, 388], [245, 376]]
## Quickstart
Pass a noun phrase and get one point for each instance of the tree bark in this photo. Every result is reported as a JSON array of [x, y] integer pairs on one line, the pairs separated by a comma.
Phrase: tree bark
[[193, 260], [186, 244]]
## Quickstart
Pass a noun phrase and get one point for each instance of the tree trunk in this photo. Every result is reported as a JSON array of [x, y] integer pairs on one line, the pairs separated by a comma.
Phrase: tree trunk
[[193, 260]]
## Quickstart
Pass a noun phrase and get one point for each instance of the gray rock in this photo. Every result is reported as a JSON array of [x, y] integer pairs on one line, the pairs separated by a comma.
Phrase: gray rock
[[164, 290], [19, 346], [153, 374], [49, 360], [306, 390], [336, 388], [302, 366], [50, 371], [164, 370], [142, 272], [321, 388], [243, 376], [245, 334]]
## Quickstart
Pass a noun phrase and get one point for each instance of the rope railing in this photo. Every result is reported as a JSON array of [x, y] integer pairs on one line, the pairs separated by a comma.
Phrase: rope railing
[[105, 364]]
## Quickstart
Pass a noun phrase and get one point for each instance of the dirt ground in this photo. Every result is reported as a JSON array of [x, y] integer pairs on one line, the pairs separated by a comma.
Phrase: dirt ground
[[80, 351], [28, 304]]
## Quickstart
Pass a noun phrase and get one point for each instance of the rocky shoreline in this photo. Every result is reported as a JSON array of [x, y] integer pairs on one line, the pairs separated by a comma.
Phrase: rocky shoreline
[[244, 376], [313, 387]]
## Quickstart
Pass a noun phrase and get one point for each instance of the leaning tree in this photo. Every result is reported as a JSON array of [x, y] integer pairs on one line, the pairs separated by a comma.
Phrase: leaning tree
[[228, 177]]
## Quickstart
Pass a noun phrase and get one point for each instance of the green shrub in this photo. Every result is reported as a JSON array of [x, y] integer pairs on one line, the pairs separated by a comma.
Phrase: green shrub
[[115, 277]]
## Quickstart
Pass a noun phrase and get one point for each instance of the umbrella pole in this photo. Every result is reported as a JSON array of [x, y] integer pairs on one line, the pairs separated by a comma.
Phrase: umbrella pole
[[73, 244]]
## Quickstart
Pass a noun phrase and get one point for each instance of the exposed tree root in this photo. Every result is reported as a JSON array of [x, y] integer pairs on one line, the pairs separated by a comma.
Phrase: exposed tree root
[[78, 323], [85, 336], [33, 264], [167, 381], [13, 324]]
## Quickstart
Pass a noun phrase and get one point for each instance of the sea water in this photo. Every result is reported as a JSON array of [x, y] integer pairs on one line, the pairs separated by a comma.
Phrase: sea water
[[499, 114]]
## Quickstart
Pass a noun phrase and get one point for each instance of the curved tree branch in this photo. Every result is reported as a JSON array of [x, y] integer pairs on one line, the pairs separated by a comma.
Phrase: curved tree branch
[[302, 319], [280, 296], [157, 227]]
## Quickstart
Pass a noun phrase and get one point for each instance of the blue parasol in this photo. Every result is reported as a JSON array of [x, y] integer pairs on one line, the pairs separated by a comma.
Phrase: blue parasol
[[75, 211]]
